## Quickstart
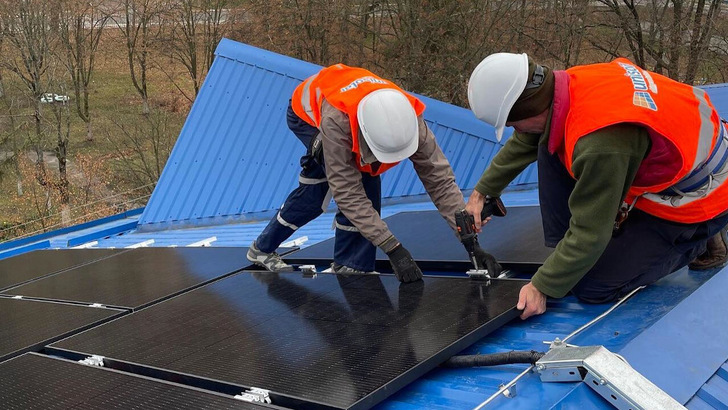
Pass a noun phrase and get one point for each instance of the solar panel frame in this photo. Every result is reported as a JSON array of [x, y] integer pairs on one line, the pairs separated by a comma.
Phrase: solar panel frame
[[234, 359], [137, 278], [21, 269], [35, 381], [516, 241], [29, 325]]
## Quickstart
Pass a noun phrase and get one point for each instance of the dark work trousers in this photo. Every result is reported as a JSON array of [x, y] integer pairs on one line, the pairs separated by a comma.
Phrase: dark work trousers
[[646, 249], [310, 200]]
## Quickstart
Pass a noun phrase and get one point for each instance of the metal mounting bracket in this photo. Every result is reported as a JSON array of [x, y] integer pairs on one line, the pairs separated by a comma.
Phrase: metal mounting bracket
[[255, 395], [95, 360], [606, 373], [308, 271], [478, 274]]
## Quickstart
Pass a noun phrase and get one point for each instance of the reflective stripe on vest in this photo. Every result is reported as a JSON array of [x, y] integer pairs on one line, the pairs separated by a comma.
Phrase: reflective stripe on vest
[[701, 176], [707, 129], [306, 97]]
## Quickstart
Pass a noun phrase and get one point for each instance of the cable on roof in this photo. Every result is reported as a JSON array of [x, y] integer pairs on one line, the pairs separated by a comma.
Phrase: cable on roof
[[494, 359]]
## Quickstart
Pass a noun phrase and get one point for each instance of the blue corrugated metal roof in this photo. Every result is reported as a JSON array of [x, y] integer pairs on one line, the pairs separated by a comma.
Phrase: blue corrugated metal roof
[[235, 155], [719, 97]]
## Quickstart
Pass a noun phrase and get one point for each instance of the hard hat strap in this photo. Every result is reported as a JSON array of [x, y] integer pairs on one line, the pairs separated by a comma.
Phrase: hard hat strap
[[537, 79]]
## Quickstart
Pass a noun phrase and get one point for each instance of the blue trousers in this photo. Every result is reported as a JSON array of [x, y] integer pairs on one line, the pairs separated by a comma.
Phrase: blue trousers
[[646, 249], [311, 198]]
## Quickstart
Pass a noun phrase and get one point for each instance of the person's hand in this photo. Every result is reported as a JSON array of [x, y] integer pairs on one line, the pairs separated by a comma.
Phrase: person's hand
[[475, 207], [531, 301], [488, 261], [403, 265]]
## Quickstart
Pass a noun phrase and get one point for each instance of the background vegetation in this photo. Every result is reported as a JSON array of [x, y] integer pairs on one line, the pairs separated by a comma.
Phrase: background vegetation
[[93, 93]]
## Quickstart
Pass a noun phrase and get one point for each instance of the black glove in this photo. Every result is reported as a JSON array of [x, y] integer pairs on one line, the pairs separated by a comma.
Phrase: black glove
[[488, 261], [404, 267], [317, 149]]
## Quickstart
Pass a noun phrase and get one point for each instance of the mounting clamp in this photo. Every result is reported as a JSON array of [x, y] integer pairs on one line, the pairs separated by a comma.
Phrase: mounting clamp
[[606, 373], [94, 360], [255, 395], [478, 274]]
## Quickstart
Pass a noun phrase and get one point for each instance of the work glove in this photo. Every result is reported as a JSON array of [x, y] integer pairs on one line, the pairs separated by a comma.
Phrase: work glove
[[404, 267], [488, 261]]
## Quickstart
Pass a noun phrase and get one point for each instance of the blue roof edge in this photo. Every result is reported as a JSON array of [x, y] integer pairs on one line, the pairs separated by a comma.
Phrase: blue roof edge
[[40, 241]]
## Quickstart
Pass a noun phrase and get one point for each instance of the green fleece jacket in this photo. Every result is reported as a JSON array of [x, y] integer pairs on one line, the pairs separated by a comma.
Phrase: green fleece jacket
[[605, 164]]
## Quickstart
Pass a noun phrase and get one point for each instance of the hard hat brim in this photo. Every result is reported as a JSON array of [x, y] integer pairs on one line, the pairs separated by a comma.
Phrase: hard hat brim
[[393, 157]]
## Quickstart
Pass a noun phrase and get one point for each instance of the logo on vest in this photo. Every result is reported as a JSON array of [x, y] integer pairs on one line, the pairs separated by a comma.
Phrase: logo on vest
[[641, 98], [644, 99], [354, 84], [638, 81]]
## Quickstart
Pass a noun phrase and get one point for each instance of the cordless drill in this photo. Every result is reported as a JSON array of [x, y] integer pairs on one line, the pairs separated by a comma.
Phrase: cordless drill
[[465, 224]]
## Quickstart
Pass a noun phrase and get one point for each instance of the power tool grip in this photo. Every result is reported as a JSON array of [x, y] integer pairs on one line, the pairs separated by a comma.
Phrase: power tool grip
[[493, 206]]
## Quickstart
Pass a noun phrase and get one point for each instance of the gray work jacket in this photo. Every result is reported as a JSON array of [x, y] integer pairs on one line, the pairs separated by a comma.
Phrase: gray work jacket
[[344, 177]]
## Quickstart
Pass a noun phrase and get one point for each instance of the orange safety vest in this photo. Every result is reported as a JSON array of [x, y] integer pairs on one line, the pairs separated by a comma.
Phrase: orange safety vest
[[681, 121], [343, 87]]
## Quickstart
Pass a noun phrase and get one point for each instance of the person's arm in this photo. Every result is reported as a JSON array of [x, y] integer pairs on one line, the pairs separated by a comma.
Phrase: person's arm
[[605, 164], [345, 178], [436, 175], [519, 152]]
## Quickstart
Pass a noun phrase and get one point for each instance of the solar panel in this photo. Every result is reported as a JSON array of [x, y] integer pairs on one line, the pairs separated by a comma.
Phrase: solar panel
[[516, 240], [28, 266], [138, 277], [28, 325], [33, 381], [336, 341]]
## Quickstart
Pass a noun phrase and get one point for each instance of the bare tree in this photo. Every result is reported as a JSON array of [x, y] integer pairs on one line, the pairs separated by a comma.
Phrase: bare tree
[[81, 24], [26, 28], [665, 36], [140, 27], [554, 30], [143, 149], [431, 47], [198, 27]]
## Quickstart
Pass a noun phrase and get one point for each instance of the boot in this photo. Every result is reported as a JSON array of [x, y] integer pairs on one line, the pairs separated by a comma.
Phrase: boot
[[716, 254], [270, 261]]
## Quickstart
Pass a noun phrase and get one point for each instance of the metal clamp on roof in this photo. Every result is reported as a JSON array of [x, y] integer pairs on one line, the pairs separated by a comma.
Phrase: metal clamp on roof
[[255, 395], [478, 274], [308, 271], [606, 373], [95, 360]]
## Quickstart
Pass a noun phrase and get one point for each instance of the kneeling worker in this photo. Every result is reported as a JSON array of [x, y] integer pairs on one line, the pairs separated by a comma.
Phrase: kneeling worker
[[356, 125], [609, 139]]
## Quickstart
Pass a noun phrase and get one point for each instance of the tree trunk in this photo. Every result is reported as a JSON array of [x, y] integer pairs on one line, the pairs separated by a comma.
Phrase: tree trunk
[[89, 132]]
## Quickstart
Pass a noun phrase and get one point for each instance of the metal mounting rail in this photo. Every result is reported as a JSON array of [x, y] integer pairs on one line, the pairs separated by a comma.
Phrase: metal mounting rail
[[505, 389]]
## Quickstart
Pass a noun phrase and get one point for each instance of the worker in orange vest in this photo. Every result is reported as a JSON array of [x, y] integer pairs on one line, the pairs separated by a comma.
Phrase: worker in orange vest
[[355, 126], [610, 140]]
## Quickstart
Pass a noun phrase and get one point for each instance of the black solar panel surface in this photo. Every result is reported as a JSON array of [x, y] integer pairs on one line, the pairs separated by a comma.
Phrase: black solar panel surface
[[28, 266], [516, 240], [138, 277], [28, 324], [342, 341], [33, 381]]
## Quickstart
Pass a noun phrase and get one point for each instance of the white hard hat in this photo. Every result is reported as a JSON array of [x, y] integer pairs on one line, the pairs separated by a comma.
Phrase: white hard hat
[[389, 125], [494, 87]]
